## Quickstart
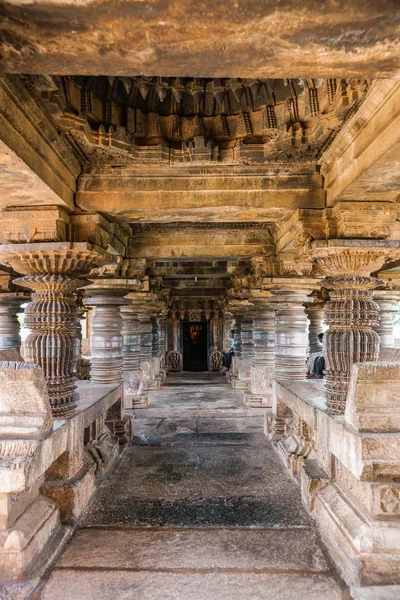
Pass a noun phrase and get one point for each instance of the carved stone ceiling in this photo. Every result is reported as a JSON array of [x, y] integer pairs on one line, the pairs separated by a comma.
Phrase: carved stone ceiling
[[253, 38], [121, 121]]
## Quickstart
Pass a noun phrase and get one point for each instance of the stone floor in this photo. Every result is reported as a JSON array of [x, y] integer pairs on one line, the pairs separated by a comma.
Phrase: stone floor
[[200, 508]]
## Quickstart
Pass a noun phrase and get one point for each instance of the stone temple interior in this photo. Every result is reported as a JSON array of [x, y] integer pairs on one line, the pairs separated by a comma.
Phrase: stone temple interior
[[190, 194]]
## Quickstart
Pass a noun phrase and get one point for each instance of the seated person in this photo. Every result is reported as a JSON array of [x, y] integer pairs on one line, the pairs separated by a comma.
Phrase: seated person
[[227, 360], [316, 362]]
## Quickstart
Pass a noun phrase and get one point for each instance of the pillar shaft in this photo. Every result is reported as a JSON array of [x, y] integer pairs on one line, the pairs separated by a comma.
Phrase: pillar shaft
[[10, 306], [351, 315], [237, 335], [387, 301], [107, 297], [291, 339], [54, 342], [263, 362], [132, 374], [247, 351], [315, 314]]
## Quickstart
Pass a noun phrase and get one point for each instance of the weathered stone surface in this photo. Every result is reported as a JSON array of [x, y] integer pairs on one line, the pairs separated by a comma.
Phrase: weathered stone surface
[[68, 584], [373, 400], [235, 548], [25, 407], [191, 40]]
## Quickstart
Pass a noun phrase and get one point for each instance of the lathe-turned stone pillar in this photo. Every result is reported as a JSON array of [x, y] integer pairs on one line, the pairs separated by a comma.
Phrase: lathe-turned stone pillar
[[173, 330], [388, 302], [315, 314], [132, 373], [247, 350], [162, 346], [50, 270], [237, 347], [291, 336], [351, 314], [10, 306], [157, 352], [146, 353], [227, 332], [149, 309], [107, 296], [263, 363]]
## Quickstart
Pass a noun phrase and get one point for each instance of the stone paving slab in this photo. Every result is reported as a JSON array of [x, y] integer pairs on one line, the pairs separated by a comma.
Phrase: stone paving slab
[[201, 472], [146, 585], [197, 430], [210, 548], [237, 511], [162, 412], [199, 485]]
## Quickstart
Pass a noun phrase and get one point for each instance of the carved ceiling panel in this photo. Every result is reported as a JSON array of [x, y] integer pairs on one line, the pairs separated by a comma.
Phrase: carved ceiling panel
[[123, 120]]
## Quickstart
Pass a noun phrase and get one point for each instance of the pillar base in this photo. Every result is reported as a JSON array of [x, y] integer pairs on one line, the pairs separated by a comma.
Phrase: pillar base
[[72, 495], [241, 384], [141, 401], [22, 544], [257, 400], [153, 386]]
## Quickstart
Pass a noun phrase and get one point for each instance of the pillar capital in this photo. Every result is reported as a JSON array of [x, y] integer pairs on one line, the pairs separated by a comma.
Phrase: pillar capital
[[69, 259], [347, 257], [292, 289]]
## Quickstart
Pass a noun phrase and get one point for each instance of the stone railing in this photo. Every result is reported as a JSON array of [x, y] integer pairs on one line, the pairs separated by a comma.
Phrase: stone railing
[[348, 467], [49, 468]]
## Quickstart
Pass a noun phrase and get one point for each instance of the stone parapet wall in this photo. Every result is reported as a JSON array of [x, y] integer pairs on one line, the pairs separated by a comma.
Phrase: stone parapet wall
[[49, 468], [348, 467]]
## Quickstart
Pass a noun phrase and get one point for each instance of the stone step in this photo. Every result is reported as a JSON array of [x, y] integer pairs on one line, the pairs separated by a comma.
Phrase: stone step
[[199, 564], [145, 585], [244, 549]]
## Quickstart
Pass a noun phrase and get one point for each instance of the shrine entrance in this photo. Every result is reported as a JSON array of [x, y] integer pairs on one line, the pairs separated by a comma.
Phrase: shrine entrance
[[195, 346]]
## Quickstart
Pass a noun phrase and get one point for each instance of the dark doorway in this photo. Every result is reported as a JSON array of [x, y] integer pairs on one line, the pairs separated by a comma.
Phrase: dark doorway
[[195, 346]]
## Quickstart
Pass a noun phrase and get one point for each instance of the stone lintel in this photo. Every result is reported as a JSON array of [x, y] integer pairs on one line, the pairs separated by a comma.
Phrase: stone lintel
[[99, 231], [34, 225], [200, 195], [363, 220], [370, 132], [44, 159], [300, 227]]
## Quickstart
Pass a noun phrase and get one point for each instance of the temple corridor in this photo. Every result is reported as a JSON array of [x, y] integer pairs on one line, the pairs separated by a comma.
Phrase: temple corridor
[[200, 507]]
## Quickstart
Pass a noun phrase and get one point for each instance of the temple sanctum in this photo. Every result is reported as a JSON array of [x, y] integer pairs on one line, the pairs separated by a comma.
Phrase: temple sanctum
[[199, 286]]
